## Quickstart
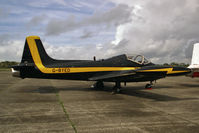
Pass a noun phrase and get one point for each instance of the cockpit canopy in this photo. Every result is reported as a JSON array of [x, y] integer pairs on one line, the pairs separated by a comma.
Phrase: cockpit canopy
[[140, 59]]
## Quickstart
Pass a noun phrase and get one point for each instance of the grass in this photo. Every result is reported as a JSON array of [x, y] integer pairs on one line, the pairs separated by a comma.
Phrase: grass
[[4, 69], [65, 112]]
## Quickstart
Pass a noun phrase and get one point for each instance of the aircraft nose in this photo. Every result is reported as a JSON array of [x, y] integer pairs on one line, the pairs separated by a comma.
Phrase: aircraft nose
[[181, 70]]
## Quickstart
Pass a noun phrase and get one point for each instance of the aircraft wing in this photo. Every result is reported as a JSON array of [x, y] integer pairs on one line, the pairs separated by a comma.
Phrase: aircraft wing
[[113, 74], [139, 74]]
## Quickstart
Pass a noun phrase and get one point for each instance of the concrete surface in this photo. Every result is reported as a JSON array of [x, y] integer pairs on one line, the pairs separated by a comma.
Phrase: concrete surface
[[38, 105]]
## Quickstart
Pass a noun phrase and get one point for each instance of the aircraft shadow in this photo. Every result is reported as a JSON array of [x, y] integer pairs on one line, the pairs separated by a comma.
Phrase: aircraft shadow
[[130, 91], [139, 91], [51, 89], [149, 95], [190, 85]]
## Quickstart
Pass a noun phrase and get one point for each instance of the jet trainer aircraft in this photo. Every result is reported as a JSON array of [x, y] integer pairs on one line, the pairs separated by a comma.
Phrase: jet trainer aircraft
[[36, 63]]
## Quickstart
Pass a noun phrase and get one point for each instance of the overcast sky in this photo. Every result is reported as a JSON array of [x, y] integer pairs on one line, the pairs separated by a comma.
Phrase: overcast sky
[[162, 30]]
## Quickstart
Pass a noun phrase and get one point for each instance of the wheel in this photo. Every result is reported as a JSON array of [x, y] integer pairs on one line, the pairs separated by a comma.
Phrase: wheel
[[118, 90], [113, 93], [148, 86], [99, 85]]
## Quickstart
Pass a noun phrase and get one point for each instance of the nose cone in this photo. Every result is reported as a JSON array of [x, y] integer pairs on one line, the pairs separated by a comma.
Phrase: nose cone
[[180, 71]]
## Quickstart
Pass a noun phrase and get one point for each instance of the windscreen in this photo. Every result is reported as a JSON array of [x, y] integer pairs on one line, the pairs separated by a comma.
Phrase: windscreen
[[138, 59]]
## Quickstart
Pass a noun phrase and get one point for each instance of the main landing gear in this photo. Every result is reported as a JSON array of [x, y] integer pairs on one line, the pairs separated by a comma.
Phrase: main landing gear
[[116, 88], [149, 86], [98, 85]]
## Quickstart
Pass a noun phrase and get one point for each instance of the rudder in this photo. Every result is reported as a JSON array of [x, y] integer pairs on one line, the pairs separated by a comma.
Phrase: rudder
[[29, 51], [26, 56]]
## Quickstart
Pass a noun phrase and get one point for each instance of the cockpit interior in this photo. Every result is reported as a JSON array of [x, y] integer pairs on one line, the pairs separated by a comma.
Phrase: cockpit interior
[[140, 59]]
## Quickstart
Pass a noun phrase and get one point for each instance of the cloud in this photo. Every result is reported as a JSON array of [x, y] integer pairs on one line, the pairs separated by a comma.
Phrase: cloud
[[4, 38], [3, 13], [36, 20], [47, 3], [161, 30], [10, 50], [75, 52], [116, 16], [87, 34]]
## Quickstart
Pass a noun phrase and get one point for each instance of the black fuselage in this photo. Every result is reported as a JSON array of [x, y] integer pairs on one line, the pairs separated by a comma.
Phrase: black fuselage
[[36, 63]]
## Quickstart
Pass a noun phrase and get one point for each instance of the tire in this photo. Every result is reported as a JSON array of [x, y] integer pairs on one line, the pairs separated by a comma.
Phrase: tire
[[99, 85], [148, 86]]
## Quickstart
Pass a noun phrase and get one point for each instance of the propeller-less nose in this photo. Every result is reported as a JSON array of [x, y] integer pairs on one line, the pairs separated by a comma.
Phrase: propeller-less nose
[[180, 70]]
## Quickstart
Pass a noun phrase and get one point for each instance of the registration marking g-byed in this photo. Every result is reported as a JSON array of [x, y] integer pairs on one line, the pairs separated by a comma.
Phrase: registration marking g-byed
[[60, 70]]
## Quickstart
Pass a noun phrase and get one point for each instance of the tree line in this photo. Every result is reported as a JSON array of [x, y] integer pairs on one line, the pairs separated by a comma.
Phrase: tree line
[[8, 64], [176, 64]]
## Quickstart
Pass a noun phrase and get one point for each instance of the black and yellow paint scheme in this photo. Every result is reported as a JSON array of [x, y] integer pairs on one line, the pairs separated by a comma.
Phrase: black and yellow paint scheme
[[36, 63]]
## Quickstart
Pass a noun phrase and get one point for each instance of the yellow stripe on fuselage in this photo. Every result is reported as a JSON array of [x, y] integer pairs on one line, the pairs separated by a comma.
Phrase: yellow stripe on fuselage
[[168, 70], [37, 60]]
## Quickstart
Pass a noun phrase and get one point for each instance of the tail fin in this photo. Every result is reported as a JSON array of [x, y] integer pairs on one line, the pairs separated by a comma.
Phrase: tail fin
[[195, 62], [33, 46], [195, 57]]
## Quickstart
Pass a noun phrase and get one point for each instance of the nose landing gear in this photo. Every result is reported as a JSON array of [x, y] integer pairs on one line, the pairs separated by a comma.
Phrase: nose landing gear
[[149, 86]]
